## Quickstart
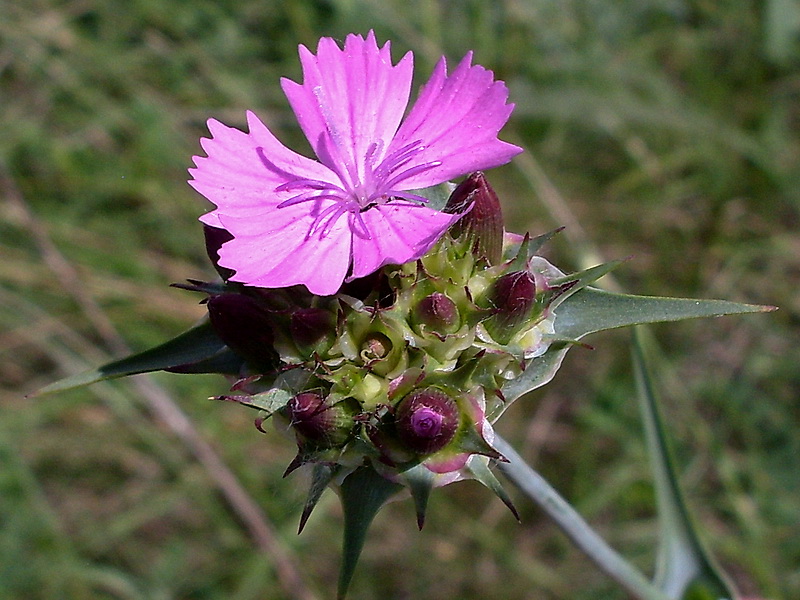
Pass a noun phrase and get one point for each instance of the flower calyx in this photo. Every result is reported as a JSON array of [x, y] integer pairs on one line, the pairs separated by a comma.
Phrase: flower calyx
[[512, 298]]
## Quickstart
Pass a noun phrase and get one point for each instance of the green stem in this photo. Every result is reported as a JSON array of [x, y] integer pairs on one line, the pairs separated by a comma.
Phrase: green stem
[[572, 524]]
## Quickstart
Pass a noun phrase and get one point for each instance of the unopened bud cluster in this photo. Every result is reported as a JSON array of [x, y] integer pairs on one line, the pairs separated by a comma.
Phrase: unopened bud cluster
[[405, 367]]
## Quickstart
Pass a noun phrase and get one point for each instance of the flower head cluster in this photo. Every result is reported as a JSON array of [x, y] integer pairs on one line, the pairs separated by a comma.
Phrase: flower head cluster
[[402, 371], [294, 220], [375, 328]]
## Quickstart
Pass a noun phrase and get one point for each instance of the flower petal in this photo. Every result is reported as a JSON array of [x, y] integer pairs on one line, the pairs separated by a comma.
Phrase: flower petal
[[281, 248], [254, 162], [242, 170], [351, 102], [457, 119], [298, 221], [272, 247], [398, 233]]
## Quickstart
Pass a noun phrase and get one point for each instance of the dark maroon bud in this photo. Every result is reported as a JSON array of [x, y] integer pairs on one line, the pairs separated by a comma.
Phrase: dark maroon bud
[[311, 325], [373, 289], [426, 420], [511, 298], [215, 237], [307, 412], [483, 225], [438, 312], [244, 326], [318, 421]]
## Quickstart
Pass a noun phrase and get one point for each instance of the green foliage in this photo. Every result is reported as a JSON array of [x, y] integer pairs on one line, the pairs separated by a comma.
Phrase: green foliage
[[672, 127], [685, 570]]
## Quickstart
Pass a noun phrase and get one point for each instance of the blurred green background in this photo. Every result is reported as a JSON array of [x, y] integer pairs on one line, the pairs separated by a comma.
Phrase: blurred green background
[[662, 129]]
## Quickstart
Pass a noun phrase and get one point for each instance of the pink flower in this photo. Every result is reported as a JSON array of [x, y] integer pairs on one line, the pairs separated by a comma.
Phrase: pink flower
[[295, 220]]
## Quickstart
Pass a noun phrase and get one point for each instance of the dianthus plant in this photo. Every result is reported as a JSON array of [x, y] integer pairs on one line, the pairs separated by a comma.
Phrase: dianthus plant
[[383, 316]]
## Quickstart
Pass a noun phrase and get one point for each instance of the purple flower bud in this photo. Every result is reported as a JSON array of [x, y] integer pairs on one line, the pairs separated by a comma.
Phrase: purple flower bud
[[310, 325], [319, 422], [512, 298], [215, 237], [483, 225], [244, 325], [437, 312], [427, 420]]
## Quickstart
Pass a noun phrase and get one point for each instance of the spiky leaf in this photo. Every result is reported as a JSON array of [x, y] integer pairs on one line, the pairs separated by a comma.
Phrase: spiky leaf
[[591, 310], [535, 244], [320, 478], [189, 349], [685, 570], [479, 467], [420, 481]]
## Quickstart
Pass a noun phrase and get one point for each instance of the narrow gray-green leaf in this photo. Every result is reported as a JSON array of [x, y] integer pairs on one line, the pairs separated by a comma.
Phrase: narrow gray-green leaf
[[685, 570], [363, 493], [199, 343], [582, 279], [561, 512], [224, 362], [591, 310]]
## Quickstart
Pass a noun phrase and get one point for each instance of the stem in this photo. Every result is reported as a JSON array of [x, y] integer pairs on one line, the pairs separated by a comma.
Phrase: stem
[[572, 524]]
